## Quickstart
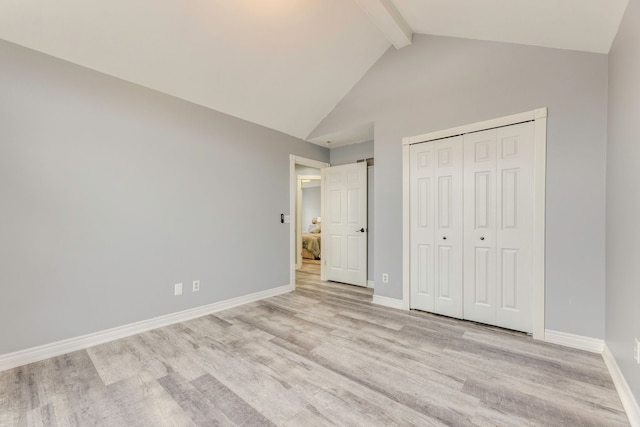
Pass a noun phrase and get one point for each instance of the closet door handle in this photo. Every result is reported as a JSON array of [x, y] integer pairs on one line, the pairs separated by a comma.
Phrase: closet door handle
[[482, 238], [360, 231], [444, 237]]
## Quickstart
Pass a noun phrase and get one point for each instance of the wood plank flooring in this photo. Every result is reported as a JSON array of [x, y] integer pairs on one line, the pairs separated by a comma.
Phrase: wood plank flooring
[[322, 355]]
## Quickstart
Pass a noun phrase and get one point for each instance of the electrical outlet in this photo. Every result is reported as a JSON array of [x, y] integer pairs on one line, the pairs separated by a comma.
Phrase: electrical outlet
[[177, 289], [385, 278], [196, 285], [636, 351]]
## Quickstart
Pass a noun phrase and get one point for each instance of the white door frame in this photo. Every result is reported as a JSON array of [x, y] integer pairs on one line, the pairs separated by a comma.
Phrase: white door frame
[[299, 214], [539, 117], [293, 190]]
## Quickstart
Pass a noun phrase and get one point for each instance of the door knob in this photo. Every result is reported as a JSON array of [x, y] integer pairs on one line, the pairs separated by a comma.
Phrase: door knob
[[482, 238], [444, 237], [361, 230]]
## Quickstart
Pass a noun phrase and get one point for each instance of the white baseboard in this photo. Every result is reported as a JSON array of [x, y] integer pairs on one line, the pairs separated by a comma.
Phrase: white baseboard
[[388, 302], [580, 342], [370, 284], [629, 402], [35, 354]]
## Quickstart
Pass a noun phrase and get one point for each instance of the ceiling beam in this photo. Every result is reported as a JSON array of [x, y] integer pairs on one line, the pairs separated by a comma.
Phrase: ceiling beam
[[389, 20]]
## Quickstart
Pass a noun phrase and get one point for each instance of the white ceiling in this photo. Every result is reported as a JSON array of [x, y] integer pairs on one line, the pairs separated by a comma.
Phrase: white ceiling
[[283, 64], [587, 25]]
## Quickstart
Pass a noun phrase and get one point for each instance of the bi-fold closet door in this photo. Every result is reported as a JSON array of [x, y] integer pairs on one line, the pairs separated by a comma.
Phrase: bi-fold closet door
[[471, 200], [436, 226]]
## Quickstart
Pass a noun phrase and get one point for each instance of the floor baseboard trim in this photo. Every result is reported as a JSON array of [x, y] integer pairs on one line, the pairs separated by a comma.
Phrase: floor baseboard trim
[[629, 402], [36, 354], [580, 342], [388, 302]]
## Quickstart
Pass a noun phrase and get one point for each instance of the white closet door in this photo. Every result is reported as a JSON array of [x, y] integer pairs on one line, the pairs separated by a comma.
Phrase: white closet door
[[422, 226], [515, 226], [498, 227], [480, 227], [471, 226], [448, 226], [436, 226]]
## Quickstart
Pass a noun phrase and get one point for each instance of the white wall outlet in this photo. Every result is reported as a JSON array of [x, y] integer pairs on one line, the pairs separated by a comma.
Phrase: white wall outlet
[[177, 289], [385, 278], [636, 351], [196, 285]]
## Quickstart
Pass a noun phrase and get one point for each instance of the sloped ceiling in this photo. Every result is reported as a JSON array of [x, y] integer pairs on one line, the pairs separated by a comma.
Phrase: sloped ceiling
[[586, 25], [283, 64]]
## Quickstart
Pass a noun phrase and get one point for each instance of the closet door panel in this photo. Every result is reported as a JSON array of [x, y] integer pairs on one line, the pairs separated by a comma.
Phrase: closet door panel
[[480, 226], [422, 226], [448, 233], [515, 227]]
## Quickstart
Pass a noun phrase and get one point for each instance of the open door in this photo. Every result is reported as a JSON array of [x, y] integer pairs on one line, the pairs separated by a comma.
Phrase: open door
[[344, 224]]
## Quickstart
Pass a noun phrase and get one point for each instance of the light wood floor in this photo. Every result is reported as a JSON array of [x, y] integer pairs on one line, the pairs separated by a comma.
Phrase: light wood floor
[[322, 355]]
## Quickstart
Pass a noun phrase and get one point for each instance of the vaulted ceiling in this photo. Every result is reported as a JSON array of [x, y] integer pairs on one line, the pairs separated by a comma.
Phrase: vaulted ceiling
[[283, 64]]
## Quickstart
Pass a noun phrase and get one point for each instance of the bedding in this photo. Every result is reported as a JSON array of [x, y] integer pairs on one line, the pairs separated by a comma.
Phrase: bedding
[[311, 242], [308, 255]]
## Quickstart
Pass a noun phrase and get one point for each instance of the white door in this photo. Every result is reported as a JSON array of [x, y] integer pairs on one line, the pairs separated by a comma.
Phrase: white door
[[471, 226], [514, 246], [422, 226], [436, 226], [344, 224], [498, 227], [480, 227]]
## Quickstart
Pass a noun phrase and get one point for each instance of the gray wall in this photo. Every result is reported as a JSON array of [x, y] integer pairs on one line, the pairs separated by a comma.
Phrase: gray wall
[[310, 206], [623, 197], [111, 193], [350, 154], [441, 82]]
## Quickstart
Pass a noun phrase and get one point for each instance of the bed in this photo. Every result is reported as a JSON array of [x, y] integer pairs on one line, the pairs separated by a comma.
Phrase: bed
[[311, 245]]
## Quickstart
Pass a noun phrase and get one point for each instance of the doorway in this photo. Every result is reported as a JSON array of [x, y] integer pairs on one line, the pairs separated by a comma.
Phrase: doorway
[[308, 220], [299, 167]]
